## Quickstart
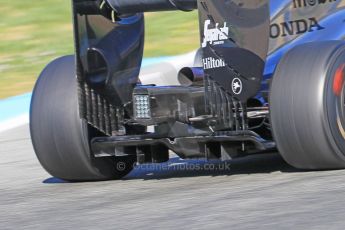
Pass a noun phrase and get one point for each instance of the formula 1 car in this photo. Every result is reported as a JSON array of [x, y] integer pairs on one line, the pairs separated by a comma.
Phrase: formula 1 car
[[269, 76]]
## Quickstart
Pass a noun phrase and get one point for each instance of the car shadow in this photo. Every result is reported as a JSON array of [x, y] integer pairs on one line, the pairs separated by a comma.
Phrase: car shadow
[[54, 180], [178, 168]]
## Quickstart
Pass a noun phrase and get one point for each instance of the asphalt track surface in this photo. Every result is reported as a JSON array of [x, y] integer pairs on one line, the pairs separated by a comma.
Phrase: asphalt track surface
[[260, 192]]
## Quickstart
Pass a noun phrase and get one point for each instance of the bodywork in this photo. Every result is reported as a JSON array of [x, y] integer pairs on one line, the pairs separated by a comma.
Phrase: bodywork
[[224, 116]]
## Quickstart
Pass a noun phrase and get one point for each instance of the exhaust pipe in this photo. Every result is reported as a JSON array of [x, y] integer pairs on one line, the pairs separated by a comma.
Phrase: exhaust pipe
[[191, 76]]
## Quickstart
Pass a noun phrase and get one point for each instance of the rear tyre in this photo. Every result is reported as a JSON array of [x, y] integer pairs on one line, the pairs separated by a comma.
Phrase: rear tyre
[[307, 106], [60, 138]]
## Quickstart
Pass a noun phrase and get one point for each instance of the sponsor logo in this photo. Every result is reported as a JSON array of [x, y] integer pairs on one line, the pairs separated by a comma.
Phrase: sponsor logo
[[215, 36], [212, 63], [306, 3], [236, 86], [300, 26]]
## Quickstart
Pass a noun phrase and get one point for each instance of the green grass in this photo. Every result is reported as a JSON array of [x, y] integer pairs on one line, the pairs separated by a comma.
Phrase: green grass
[[171, 33], [32, 33]]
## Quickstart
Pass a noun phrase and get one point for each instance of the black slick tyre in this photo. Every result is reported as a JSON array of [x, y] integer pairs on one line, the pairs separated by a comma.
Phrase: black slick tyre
[[60, 138]]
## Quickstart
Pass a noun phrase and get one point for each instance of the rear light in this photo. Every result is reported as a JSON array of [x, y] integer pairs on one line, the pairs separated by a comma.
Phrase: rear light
[[142, 107], [338, 80]]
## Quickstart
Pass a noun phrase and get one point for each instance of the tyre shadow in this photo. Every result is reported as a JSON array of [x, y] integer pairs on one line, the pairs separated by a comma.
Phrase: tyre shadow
[[178, 168]]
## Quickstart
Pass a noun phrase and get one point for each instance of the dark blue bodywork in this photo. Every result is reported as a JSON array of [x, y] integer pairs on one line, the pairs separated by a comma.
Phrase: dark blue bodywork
[[330, 15]]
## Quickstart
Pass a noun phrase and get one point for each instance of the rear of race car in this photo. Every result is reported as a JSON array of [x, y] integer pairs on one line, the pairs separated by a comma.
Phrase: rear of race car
[[220, 109]]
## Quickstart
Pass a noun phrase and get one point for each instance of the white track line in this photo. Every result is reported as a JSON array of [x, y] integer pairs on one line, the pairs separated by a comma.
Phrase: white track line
[[14, 122]]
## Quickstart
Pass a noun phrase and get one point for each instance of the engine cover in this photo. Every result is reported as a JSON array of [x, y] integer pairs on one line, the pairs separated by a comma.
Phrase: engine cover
[[234, 39]]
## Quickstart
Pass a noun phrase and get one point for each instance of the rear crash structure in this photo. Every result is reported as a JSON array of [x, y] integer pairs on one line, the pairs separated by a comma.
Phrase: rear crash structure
[[225, 107]]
